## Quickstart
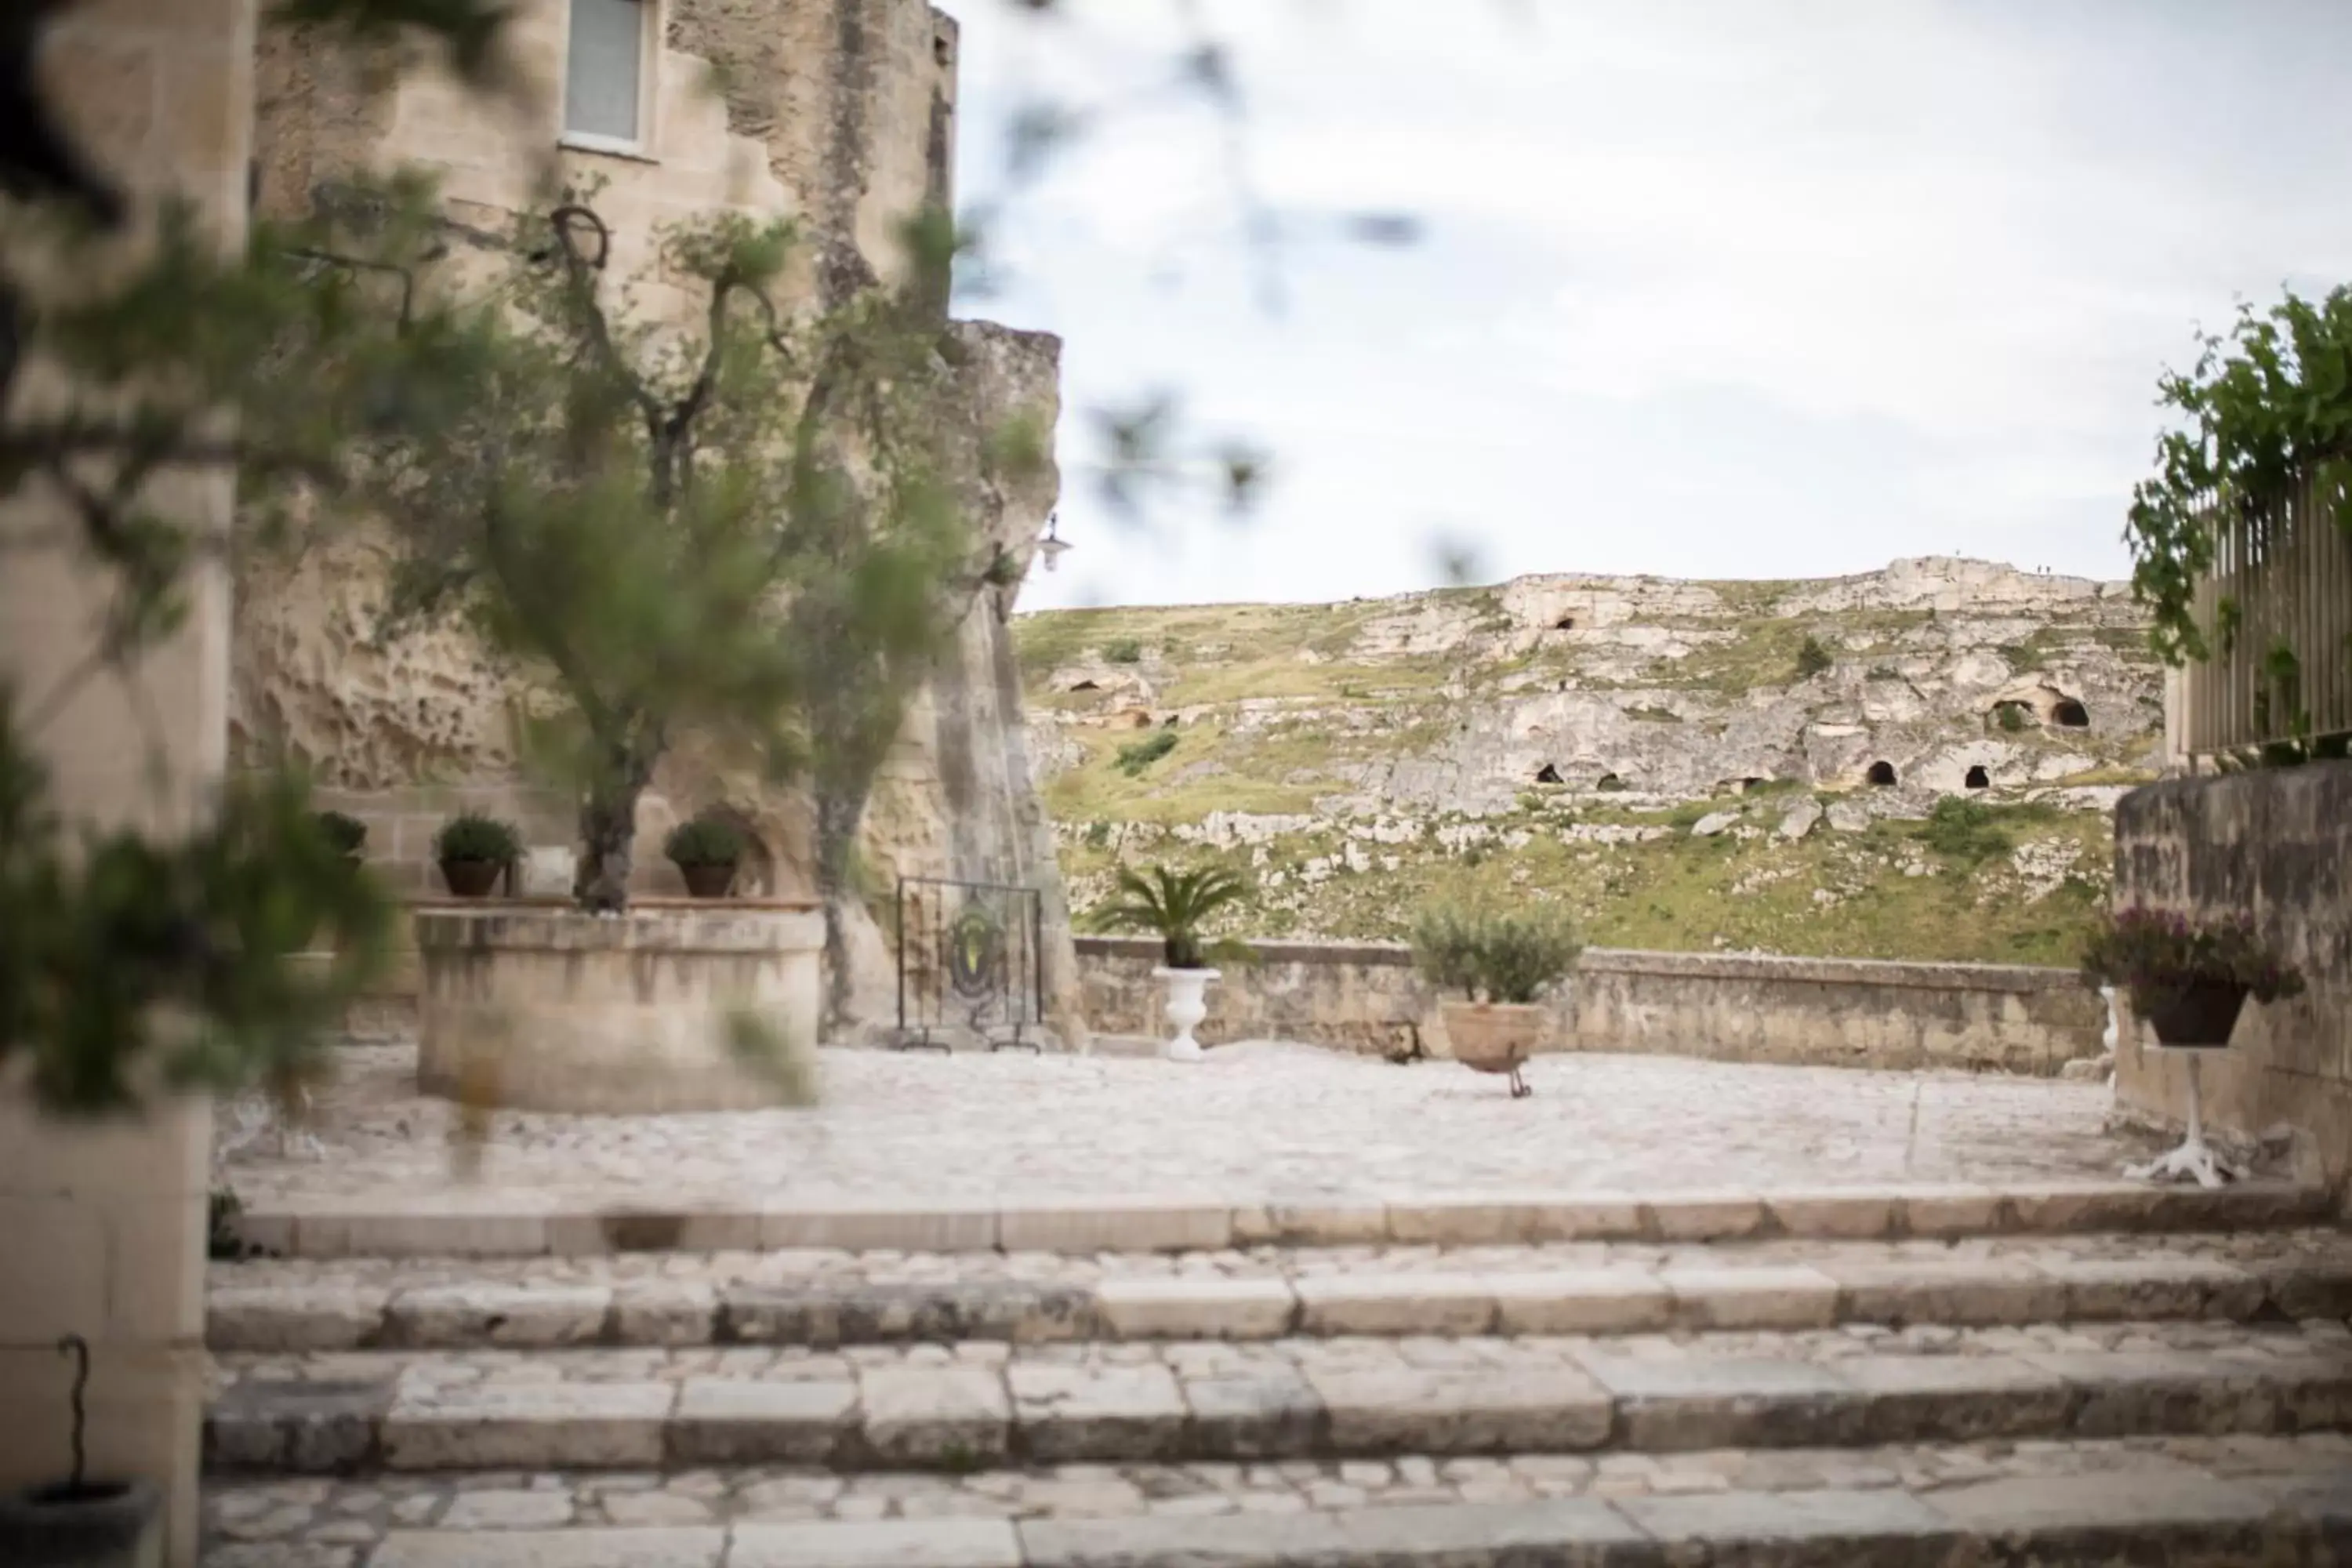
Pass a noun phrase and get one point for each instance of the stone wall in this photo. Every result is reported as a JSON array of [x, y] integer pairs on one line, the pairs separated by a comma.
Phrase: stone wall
[[105, 1223], [2275, 846], [838, 113], [1366, 997]]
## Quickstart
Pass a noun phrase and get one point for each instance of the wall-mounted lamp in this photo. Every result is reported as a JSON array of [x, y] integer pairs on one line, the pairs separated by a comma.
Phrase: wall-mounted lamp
[[1051, 547]]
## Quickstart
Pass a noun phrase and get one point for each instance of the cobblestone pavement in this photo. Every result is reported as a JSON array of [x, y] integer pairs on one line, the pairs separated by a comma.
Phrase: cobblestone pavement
[[323, 1524], [1291, 1123]]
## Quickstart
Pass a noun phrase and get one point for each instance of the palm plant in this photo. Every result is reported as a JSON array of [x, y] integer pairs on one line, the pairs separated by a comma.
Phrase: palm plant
[[1172, 906]]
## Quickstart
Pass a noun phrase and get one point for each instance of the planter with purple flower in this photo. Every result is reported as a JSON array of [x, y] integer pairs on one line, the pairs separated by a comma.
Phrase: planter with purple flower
[[2188, 979]]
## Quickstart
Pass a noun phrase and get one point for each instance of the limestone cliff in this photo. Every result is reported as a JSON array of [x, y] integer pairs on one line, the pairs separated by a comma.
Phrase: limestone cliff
[[1670, 756]]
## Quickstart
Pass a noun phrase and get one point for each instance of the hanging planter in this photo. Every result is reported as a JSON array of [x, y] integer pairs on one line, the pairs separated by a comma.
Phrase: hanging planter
[[79, 1522], [2188, 979], [2197, 1016]]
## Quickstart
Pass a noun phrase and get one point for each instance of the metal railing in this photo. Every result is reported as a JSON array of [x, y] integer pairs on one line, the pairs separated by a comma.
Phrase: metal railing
[[2276, 609], [971, 958]]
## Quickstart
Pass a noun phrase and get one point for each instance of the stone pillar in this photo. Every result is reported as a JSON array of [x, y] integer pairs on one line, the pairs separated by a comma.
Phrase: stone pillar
[[105, 1223]]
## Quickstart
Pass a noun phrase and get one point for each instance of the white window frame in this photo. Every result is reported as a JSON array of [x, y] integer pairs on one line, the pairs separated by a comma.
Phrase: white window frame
[[649, 83]]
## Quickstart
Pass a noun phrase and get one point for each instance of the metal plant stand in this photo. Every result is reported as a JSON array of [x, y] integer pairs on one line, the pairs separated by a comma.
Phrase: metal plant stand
[[970, 959], [2195, 1160]]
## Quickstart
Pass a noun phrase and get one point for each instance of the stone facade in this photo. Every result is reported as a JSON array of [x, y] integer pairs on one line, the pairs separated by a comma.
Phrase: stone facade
[[839, 114], [1365, 998], [105, 1223], [2276, 845]]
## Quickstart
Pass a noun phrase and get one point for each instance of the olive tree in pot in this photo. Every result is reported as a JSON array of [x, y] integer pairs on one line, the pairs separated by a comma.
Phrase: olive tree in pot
[[79, 1522], [1173, 906], [1501, 961], [705, 852], [2188, 979]]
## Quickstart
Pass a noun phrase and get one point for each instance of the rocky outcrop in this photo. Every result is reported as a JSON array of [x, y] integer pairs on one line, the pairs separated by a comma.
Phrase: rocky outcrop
[[1387, 740]]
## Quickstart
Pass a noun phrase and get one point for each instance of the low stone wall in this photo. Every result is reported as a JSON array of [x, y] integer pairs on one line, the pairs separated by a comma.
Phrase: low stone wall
[[2275, 846], [543, 1008], [1365, 998]]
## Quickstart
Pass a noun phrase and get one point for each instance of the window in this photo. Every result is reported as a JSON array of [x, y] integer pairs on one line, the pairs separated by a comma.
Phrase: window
[[604, 81]]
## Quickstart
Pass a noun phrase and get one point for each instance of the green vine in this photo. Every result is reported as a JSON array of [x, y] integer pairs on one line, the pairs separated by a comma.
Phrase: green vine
[[2268, 403]]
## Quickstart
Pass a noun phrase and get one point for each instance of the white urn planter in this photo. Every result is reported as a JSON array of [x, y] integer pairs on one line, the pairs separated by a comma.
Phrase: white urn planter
[[1188, 1004]]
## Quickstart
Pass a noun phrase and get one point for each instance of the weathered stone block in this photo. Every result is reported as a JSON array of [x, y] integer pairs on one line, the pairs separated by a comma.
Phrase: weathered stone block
[[1210, 1309], [723, 1421]]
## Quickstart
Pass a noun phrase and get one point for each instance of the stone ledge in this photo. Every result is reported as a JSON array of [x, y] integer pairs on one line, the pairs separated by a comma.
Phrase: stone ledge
[[485, 1224], [509, 925]]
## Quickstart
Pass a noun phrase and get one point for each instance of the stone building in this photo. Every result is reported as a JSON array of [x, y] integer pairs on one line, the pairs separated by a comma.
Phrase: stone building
[[840, 113]]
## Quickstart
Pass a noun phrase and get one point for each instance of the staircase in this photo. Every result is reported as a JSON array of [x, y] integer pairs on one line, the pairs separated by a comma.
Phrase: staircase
[[2077, 1373]]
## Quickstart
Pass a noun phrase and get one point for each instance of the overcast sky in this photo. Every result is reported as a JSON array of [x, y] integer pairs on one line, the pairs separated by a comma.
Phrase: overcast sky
[[1706, 288]]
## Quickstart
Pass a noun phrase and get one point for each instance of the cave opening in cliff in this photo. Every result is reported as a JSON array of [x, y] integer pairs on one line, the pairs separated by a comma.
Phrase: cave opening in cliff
[[1609, 781], [1548, 775], [2069, 714], [1565, 624], [1978, 778], [1086, 686], [1882, 773]]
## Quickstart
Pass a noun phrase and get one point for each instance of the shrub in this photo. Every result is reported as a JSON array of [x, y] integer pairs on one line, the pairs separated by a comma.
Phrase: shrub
[[1172, 906], [1122, 650], [2154, 955], [347, 834], [1812, 659], [2011, 717], [1504, 956], [705, 841], [1963, 829], [474, 836], [1134, 759]]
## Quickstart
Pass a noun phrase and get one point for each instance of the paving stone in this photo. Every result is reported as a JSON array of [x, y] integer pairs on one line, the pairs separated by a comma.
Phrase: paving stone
[[1927, 1398], [1751, 1298], [528, 1425], [307, 1425], [957, 1414], [1962, 1292], [551, 1549], [2010, 1508], [725, 1421], [1468, 1410], [1396, 1304], [1263, 1413], [1216, 1309], [1563, 1531], [2164, 1287], [1832, 1527], [280, 1554], [1833, 1213], [1097, 1411], [935, 1225], [1727, 1403], [1310, 1223], [471, 1314], [499, 1510], [879, 1544], [1105, 1225], [665, 1312], [326, 1318], [1182, 1541], [1704, 1216], [1581, 1301], [2084, 1206], [1951, 1208]]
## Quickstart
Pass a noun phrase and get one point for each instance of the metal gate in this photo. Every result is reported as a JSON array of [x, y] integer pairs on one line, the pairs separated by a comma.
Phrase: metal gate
[[971, 960]]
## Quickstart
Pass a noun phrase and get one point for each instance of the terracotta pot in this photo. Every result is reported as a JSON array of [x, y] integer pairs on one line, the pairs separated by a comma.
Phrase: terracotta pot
[[98, 1526], [471, 878], [708, 881], [1495, 1036], [2199, 1016]]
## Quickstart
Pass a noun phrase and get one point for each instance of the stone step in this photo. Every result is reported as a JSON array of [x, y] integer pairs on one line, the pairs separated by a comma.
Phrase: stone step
[[824, 1300], [523, 1223], [955, 1407], [2186, 1502]]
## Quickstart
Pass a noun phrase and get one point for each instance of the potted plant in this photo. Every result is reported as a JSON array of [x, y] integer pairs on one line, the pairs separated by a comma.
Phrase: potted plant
[[347, 834], [2188, 979], [1500, 961], [705, 852], [77, 1523], [1173, 906], [474, 850]]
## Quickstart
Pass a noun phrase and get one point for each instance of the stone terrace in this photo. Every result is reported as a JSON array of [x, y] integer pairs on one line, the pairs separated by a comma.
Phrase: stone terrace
[[1256, 1123]]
